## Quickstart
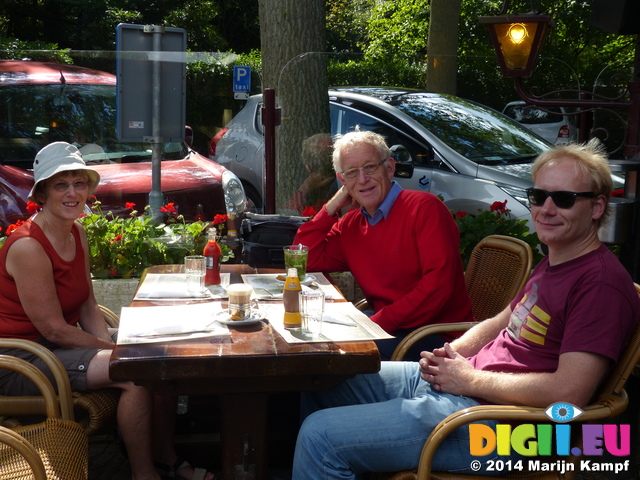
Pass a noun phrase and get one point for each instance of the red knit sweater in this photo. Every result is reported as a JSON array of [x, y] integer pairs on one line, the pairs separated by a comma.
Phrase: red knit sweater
[[408, 265]]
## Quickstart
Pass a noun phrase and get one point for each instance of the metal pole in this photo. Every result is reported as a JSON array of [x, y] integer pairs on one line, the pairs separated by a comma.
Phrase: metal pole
[[270, 119], [156, 198]]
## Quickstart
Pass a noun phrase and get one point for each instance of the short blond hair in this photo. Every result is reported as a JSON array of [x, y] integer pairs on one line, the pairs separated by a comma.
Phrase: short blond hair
[[591, 158]]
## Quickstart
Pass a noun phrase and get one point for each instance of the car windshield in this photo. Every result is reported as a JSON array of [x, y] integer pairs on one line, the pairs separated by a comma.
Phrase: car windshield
[[530, 115], [32, 116], [476, 132]]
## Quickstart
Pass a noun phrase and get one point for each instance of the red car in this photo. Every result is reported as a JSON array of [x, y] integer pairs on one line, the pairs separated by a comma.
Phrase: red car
[[42, 103]]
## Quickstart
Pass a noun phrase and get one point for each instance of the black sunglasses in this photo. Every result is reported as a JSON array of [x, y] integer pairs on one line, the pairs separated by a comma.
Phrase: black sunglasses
[[561, 198]]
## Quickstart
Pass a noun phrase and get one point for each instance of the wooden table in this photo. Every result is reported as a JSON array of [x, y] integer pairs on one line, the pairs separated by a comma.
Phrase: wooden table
[[243, 373]]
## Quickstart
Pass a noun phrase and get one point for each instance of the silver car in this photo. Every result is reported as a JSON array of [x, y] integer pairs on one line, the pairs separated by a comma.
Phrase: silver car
[[469, 154], [552, 124]]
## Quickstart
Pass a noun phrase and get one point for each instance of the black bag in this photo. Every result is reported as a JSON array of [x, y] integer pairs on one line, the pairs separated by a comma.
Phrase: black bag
[[264, 236]]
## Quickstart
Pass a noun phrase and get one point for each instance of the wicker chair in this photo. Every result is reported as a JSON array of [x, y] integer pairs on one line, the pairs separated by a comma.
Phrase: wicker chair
[[99, 406], [58, 441], [610, 400], [498, 268]]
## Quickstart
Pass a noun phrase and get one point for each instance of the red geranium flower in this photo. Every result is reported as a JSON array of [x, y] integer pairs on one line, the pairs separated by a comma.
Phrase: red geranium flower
[[218, 219], [308, 212], [168, 208], [129, 205], [499, 206], [14, 226], [461, 213], [116, 239], [33, 207]]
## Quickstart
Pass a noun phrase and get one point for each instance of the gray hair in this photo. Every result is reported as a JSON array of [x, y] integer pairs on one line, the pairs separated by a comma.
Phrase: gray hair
[[357, 137]]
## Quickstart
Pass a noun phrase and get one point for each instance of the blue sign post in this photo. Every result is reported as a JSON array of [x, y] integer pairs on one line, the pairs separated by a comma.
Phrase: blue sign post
[[241, 82]]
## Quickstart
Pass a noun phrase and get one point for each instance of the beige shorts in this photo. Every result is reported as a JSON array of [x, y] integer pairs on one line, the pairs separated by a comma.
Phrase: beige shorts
[[75, 361]]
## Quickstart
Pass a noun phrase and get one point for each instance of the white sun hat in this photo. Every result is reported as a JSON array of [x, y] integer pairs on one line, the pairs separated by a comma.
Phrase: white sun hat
[[60, 157]]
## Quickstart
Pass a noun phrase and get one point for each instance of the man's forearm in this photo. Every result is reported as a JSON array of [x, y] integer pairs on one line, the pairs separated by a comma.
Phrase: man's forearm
[[484, 332]]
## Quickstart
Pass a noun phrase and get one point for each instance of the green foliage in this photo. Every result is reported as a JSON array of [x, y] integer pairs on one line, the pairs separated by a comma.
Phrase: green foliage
[[124, 247], [384, 71], [495, 221], [399, 26], [34, 50]]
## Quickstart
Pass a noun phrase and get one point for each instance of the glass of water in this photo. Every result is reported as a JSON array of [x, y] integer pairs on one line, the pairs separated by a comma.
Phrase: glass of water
[[311, 311], [195, 269]]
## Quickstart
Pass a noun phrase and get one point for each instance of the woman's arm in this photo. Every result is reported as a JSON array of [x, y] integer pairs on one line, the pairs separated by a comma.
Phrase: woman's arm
[[31, 269]]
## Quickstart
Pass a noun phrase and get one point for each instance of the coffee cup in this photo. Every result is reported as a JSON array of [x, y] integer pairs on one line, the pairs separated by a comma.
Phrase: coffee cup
[[239, 301]]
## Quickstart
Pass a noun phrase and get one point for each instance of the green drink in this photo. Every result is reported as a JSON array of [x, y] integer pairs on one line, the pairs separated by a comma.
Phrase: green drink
[[295, 256]]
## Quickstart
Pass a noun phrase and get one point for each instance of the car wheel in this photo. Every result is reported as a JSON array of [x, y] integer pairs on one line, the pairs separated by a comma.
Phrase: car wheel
[[254, 200]]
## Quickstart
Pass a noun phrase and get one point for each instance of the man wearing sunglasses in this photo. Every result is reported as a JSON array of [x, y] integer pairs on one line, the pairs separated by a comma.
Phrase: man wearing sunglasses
[[401, 246], [553, 343]]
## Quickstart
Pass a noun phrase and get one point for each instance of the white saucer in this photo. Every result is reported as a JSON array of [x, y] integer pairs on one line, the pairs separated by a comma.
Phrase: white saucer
[[308, 280], [223, 317]]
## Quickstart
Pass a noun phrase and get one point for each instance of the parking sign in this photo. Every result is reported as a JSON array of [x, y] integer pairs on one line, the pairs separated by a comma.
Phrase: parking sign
[[241, 82]]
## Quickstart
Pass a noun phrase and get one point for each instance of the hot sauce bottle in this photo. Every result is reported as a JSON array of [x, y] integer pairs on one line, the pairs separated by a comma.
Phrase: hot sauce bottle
[[212, 254], [290, 299]]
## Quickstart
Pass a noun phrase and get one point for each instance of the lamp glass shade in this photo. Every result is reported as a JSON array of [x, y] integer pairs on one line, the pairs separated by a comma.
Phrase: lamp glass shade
[[517, 40]]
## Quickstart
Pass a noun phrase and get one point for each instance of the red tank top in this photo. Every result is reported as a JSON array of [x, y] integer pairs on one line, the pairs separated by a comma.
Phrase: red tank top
[[70, 279]]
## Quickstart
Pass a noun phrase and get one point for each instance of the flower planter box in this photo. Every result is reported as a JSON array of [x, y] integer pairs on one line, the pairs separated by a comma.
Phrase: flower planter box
[[115, 293]]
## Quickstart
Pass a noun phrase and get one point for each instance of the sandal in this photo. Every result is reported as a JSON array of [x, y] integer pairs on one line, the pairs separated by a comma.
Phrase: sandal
[[172, 471]]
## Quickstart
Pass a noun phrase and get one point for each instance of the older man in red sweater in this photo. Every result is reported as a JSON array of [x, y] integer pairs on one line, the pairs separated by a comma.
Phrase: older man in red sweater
[[401, 246]]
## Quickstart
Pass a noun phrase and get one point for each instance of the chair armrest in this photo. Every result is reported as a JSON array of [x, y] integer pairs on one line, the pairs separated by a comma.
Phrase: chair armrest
[[112, 319], [22, 446], [606, 408], [407, 342], [54, 364], [34, 374]]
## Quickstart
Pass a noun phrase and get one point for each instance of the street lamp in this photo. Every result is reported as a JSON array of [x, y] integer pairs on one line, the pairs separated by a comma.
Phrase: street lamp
[[517, 40]]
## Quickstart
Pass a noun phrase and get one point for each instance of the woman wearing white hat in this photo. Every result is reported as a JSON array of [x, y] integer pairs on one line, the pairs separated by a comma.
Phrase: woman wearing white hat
[[46, 291]]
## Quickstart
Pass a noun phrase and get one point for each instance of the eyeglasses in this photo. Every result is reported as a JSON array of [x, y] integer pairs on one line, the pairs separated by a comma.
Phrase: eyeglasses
[[64, 186], [368, 169], [561, 198]]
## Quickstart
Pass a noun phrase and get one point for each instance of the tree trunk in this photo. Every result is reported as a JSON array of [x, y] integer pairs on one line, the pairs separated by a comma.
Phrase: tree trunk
[[293, 42], [442, 46]]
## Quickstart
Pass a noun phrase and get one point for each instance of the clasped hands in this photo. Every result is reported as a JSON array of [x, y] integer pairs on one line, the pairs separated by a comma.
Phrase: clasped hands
[[446, 370]]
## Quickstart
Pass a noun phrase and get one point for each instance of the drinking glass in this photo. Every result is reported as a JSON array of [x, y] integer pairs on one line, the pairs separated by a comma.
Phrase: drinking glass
[[295, 256], [195, 269], [311, 311]]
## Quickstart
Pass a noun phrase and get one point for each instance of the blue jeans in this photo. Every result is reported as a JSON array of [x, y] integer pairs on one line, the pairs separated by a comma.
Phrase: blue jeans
[[378, 423]]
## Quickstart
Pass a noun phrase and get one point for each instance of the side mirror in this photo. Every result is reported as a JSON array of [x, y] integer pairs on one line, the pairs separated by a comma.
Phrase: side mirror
[[404, 162], [188, 135]]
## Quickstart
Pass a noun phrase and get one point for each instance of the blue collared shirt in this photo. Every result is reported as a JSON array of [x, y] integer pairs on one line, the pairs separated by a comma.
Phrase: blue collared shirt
[[385, 207]]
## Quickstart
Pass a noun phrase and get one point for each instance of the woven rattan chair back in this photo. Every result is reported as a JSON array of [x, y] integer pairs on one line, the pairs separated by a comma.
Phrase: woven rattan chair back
[[498, 268]]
